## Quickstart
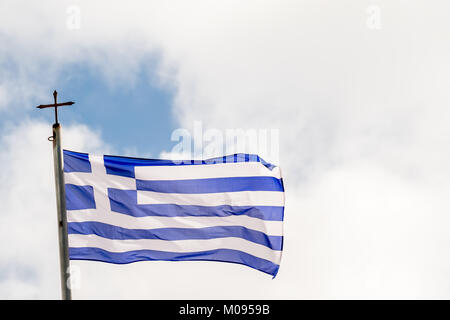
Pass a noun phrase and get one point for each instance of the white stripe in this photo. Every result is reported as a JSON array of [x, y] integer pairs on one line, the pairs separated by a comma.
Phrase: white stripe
[[257, 250], [219, 170], [102, 179], [242, 198], [274, 228]]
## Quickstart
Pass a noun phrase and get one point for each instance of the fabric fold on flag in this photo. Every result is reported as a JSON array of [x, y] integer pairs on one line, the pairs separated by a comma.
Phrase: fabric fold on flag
[[123, 210]]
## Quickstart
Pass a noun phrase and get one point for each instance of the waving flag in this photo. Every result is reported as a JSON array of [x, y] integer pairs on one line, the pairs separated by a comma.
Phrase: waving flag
[[123, 210]]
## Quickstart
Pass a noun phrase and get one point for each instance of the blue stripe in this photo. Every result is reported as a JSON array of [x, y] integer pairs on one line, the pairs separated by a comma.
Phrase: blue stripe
[[124, 166], [79, 197], [76, 162], [125, 201], [212, 185], [223, 255], [118, 233]]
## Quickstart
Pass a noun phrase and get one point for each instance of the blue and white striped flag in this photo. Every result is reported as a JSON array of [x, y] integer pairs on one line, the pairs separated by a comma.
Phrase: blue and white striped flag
[[123, 210]]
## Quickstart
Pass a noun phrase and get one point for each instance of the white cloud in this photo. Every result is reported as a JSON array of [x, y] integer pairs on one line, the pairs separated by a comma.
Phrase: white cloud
[[365, 233], [362, 115], [3, 97]]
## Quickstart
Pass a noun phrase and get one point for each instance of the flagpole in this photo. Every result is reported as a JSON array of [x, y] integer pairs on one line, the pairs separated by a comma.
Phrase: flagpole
[[62, 213], [60, 201]]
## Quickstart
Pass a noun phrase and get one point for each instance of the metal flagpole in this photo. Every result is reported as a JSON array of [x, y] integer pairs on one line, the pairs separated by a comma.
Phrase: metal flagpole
[[60, 199]]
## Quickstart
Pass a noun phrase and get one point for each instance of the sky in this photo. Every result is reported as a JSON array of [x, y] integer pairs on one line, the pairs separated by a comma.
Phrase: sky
[[358, 92]]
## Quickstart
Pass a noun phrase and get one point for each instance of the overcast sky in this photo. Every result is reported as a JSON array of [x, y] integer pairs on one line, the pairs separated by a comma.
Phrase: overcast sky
[[358, 91]]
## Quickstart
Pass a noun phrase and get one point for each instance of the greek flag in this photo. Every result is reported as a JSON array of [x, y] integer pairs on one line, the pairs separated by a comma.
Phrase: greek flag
[[123, 210]]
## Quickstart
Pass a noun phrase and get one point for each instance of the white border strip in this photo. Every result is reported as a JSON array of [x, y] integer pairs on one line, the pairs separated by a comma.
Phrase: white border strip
[[241, 198], [205, 171]]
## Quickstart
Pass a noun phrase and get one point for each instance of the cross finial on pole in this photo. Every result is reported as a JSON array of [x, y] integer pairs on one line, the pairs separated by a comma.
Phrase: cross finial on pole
[[60, 199], [55, 105]]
